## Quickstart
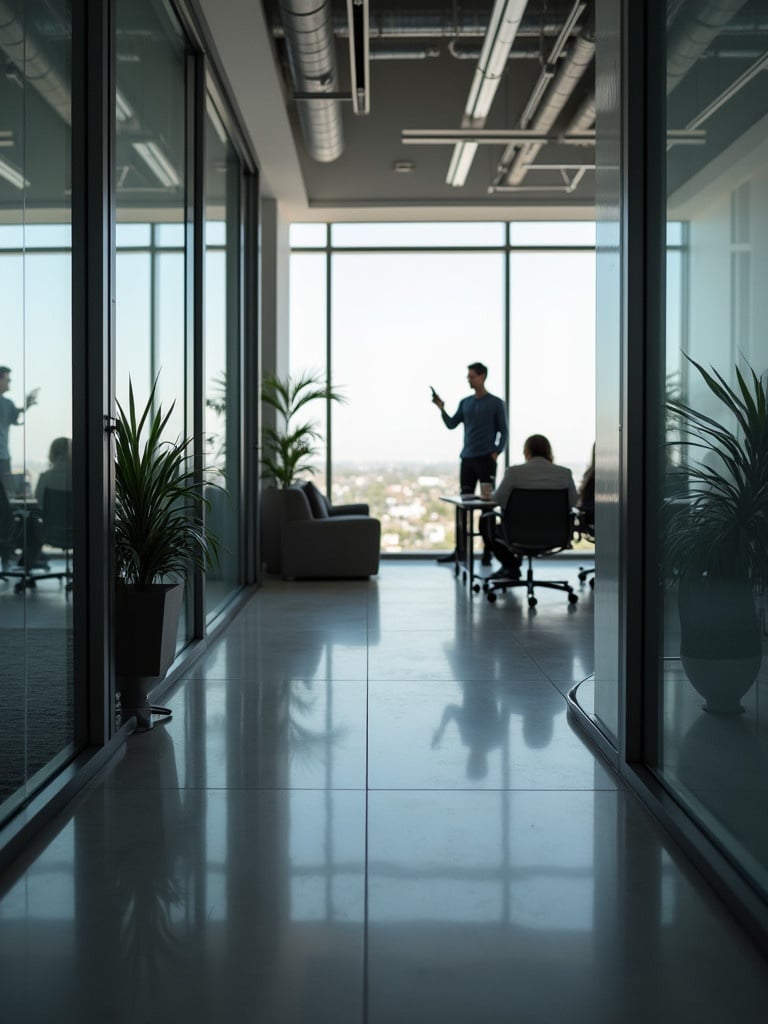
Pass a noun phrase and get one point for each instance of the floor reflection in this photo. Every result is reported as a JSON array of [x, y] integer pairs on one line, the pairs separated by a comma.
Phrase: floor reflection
[[369, 810]]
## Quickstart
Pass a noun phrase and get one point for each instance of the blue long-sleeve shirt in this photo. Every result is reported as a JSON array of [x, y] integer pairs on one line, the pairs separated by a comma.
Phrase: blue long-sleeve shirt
[[485, 425]]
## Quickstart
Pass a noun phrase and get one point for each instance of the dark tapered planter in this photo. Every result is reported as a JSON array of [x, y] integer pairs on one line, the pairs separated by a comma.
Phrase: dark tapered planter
[[720, 643], [146, 628]]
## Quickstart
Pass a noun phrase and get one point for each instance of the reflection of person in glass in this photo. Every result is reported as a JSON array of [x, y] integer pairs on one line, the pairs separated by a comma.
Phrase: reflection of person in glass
[[9, 415], [59, 476]]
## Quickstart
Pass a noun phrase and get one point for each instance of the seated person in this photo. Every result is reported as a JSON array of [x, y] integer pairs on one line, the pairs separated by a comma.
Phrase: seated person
[[586, 499], [57, 478], [537, 473]]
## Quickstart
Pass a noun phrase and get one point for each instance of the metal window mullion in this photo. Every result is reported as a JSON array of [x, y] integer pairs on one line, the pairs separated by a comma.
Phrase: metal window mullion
[[93, 348], [195, 297]]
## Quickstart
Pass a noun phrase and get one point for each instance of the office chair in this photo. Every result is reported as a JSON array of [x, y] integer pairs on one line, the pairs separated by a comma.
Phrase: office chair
[[534, 523], [11, 532], [587, 527], [57, 530]]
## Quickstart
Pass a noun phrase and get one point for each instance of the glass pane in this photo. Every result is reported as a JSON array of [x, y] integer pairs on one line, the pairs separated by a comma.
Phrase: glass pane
[[553, 342], [403, 322], [222, 377], [552, 233], [39, 727], [308, 236], [417, 234], [130, 235], [307, 342], [151, 146], [707, 738]]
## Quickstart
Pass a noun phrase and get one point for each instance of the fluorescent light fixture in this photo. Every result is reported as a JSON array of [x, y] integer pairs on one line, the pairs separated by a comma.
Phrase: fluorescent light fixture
[[461, 161], [13, 175], [215, 119], [158, 163], [359, 57], [502, 28], [123, 109]]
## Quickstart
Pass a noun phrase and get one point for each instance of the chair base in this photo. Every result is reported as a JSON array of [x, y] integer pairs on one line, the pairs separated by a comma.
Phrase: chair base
[[491, 586], [585, 574]]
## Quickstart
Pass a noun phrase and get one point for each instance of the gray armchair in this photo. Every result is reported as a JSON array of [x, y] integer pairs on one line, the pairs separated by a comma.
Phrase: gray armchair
[[332, 546]]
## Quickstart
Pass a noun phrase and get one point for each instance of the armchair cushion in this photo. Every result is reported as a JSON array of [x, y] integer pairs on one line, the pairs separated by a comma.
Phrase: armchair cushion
[[317, 500], [321, 506]]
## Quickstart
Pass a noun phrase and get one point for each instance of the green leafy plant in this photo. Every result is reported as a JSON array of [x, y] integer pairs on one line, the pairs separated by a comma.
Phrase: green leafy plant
[[721, 526], [159, 505], [290, 447]]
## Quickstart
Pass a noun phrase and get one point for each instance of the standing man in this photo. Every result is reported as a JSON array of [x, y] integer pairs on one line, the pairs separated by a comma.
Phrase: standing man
[[485, 435], [9, 415]]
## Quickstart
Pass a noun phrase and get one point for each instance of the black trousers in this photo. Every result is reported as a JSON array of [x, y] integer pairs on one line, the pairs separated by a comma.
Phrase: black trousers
[[472, 471], [475, 470]]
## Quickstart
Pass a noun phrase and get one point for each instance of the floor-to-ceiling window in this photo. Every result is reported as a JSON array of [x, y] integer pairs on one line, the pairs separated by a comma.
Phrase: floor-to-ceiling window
[[708, 737], [39, 726], [392, 309]]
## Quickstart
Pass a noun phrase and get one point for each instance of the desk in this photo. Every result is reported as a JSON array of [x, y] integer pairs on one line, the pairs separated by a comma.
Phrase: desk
[[466, 506]]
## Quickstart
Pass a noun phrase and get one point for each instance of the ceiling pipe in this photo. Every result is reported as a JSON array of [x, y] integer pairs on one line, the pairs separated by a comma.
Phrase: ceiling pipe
[[431, 25], [471, 51], [568, 76], [502, 29], [693, 31], [34, 66], [312, 59]]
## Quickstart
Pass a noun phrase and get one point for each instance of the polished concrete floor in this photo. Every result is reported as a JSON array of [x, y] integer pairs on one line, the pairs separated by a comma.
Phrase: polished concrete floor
[[370, 806]]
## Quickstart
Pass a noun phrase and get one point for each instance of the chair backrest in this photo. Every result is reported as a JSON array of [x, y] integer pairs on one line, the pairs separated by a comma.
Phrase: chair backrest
[[538, 520], [57, 518]]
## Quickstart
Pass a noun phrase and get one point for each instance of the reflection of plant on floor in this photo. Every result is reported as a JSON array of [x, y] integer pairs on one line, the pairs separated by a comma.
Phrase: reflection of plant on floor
[[306, 745]]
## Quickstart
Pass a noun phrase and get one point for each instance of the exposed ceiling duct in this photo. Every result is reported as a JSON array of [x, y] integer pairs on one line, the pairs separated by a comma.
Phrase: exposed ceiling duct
[[34, 66], [311, 53], [695, 27], [568, 76], [502, 29]]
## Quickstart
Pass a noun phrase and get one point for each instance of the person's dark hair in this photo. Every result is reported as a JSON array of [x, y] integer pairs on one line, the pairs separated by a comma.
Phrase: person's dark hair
[[538, 446], [60, 450], [479, 368], [4, 371]]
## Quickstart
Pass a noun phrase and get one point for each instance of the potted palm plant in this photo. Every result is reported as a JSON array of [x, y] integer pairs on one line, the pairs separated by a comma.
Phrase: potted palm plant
[[160, 538], [289, 448], [717, 537]]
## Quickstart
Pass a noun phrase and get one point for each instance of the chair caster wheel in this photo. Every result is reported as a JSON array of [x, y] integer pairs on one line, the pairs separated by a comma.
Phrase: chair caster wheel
[[476, 588], [573, 598], [532, 602], [491, 597]]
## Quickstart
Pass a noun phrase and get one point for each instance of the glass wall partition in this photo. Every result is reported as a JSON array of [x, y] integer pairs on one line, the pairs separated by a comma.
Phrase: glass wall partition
[[151, 208], [222, 356], [39, 725], [709, 734], [411, 304]]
